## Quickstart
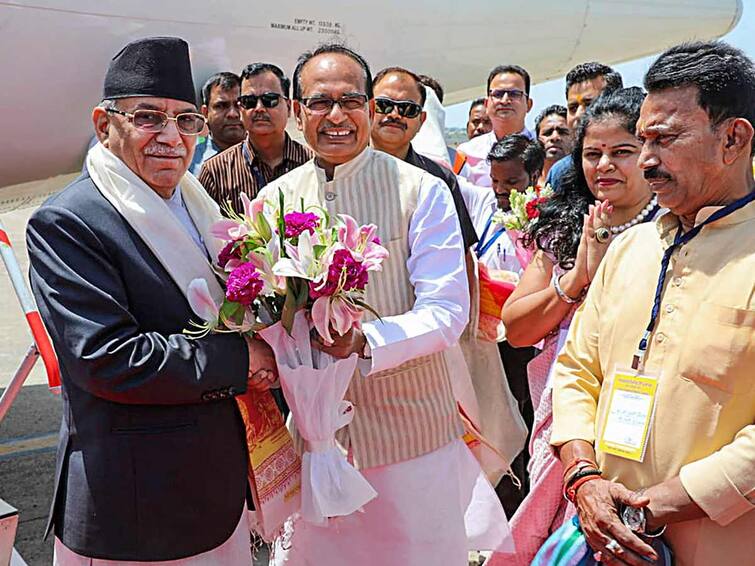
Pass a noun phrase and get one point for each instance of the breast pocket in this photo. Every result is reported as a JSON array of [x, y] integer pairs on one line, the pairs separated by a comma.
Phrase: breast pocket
[[719, 346]]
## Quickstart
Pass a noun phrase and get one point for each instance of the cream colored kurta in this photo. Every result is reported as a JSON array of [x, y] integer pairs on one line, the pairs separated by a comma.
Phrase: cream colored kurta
[[703, 347], [404, 404], [405, 434]]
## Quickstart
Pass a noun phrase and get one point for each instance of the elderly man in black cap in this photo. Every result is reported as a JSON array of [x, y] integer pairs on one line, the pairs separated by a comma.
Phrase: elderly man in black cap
[[152, 461]]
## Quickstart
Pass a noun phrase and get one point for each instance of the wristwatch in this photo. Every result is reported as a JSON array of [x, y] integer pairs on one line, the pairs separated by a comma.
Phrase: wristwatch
[[634, 518]]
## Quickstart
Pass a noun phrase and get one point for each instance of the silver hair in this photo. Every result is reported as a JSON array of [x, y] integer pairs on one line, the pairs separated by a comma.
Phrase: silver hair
[[108, 104]]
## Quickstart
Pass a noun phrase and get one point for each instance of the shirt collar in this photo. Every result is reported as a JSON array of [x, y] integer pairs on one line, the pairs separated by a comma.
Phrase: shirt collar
[[287, 144], [213, 145], [411, 156], [175, 199], [668, 223], [489, 139], [347, 169]]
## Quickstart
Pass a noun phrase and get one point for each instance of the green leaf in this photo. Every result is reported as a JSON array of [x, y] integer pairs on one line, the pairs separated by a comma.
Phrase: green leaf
[[229, 309], [281, 222]]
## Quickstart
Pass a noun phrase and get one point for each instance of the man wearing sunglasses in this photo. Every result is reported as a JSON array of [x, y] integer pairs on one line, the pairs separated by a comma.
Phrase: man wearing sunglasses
[[152, 460], [267, 152], [399, 98], [507, 103], [405, 433]]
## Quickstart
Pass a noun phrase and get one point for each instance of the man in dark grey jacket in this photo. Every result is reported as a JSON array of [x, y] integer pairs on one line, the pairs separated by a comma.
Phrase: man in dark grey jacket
[[152, 460]]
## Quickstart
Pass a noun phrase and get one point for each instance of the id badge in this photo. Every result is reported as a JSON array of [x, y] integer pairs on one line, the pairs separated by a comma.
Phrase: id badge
[[629, 416]]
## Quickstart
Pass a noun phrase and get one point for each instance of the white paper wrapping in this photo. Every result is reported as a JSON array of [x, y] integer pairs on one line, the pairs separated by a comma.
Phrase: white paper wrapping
[[314, 385]]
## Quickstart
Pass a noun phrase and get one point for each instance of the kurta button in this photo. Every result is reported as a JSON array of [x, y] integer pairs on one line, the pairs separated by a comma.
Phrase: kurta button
[[330, 196], [660, 337], [677, 281], [669, 308]]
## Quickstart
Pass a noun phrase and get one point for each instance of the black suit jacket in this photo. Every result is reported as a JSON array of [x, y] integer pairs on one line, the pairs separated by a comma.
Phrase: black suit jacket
[[468, 232], [151, 462]]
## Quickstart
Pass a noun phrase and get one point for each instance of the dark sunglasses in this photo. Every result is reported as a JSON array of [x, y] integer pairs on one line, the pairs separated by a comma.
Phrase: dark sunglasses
[[405, 108], [249, 101], [513, 93]]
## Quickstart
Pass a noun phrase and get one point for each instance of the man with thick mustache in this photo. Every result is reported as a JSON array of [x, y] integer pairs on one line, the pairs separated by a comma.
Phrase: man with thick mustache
[[668, 327], [405, 434], [399, 98], [152, 460], [267, 152], [507, 103]]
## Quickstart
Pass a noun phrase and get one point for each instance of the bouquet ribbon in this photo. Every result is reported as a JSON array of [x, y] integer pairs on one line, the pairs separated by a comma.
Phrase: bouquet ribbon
[[314, 385]]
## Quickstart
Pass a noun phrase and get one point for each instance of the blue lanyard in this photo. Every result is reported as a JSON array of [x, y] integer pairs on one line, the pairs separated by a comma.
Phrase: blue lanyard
[[259, 178], [680, 239], [482, 245]]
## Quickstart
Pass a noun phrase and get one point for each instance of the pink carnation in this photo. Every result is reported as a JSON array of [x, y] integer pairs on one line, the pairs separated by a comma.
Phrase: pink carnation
[[244, 284], [228, 253], [354, 275], [299, 222]]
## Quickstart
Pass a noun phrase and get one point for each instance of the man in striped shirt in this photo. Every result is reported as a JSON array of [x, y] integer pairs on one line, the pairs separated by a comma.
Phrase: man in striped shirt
[[267, 152]]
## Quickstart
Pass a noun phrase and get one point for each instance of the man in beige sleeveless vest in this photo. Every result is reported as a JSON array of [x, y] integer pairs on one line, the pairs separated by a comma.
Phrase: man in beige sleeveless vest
[[405, 436]]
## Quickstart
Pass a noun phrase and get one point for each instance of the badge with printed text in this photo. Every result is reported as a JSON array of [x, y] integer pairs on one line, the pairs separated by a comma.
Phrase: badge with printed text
[[629, 417]]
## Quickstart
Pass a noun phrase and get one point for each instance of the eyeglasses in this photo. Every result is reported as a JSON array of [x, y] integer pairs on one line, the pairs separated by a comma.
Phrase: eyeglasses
[[323, 104], [188, 123], [513, 93], [405, 108], [269, 100]]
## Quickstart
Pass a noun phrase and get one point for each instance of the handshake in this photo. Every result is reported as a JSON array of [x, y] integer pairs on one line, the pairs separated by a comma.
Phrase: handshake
[[263, 372]]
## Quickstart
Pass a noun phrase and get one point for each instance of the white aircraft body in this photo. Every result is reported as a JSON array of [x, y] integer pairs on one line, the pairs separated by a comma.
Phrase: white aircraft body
[[53, 53]]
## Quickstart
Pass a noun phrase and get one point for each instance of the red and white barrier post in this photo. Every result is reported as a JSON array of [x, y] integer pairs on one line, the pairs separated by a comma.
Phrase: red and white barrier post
[[41, 346]]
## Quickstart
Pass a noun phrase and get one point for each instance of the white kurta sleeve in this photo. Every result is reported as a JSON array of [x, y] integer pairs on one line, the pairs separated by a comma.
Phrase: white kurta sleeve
[[438, 274]]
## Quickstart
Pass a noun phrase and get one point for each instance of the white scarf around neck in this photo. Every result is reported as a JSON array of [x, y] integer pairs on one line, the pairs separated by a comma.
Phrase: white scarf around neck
[[148, 214]]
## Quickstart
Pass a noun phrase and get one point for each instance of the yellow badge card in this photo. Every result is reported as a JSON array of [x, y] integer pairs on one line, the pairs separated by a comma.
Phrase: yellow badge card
[[630, 414]]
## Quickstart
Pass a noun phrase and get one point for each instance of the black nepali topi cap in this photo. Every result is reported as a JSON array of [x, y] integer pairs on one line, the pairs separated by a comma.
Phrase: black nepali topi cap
[[153, 66]]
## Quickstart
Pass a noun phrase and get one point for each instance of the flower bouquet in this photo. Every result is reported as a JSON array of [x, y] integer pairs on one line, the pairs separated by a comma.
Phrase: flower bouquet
[[524, 213], [290, 272]]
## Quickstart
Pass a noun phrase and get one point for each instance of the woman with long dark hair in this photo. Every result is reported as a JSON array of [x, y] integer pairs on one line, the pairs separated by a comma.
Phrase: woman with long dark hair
[[604, 187]]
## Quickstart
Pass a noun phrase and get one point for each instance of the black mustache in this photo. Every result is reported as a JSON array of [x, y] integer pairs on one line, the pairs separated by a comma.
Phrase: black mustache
[[398, 123], [655, 173]]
